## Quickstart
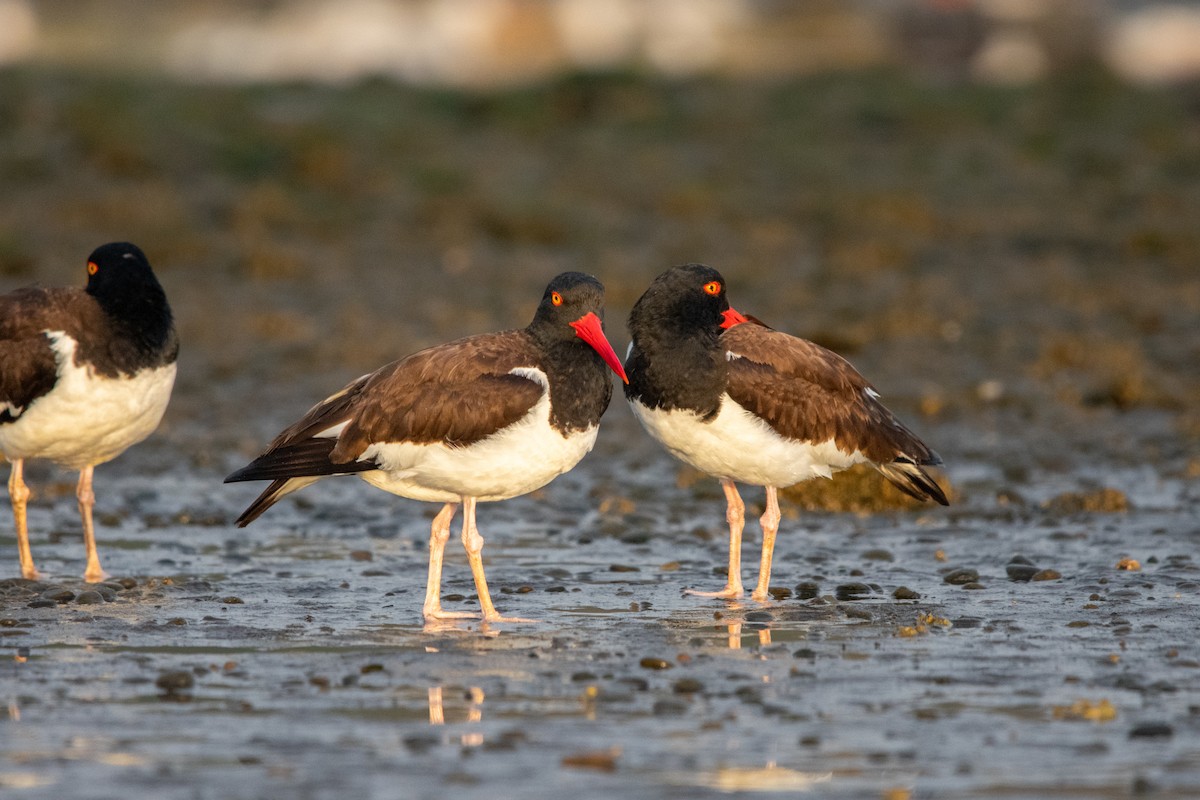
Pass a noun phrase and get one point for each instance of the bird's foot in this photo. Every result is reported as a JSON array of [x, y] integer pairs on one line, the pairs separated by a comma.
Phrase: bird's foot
[[439, 613], [95, 575], [728, 593], [31, 574], [497, 618]]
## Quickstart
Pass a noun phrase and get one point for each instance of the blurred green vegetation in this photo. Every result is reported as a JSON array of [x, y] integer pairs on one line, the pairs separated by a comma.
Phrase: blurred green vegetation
[[939, 235]]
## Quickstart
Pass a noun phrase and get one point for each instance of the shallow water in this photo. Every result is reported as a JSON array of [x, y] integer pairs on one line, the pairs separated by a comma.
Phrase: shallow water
[[306, 235], [312, 675]]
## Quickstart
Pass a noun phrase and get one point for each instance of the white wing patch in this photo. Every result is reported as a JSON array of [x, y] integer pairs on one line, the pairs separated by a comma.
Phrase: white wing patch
[[738, 445], [514, 460], [88, 418]]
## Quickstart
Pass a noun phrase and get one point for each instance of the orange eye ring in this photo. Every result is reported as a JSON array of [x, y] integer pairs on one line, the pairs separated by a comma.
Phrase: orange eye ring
[[556, 298], [92, 268], [712, 287]]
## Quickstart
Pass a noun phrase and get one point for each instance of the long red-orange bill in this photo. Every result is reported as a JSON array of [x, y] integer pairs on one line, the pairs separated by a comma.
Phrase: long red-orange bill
[[730, 317], [588, 328]]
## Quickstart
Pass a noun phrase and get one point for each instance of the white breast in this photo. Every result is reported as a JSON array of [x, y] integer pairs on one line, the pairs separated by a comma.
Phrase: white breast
[[738, 445], [87, 418], [516, 460]]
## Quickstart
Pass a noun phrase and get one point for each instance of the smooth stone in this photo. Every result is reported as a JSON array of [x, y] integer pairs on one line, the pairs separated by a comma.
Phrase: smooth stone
[[1021, 572], [961, 576]]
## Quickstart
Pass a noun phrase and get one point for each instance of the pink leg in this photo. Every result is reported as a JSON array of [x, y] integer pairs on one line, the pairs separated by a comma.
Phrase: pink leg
[[87, 499], [473, 544], [439, 534], [735, 515], [18, 494], [770, 527]]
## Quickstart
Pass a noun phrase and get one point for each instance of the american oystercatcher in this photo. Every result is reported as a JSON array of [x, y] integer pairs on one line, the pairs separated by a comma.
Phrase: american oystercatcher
[[484, 418], [84, 374], [748, 404]]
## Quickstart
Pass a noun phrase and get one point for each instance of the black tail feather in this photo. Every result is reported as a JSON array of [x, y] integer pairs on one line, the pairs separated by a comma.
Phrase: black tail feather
[[914, 481], [308, 458], [261, 503]]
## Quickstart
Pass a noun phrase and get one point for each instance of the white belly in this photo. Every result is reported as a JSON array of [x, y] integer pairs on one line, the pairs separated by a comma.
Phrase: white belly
[[516, 460], [741, 447], [86, 418]]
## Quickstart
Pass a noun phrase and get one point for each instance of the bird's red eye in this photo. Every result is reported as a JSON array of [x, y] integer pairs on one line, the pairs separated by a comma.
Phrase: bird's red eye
[[556, 298], [93, 268], [712, 287]]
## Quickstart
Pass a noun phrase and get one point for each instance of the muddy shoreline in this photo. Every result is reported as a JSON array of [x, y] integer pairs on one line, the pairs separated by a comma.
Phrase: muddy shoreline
[[1014, 272]]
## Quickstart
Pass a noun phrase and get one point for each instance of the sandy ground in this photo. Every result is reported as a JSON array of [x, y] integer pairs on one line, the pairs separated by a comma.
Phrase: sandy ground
[[1014, 270]]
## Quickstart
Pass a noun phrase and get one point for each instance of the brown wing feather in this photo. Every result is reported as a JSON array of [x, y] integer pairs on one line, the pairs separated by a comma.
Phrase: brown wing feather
[[457, 393], [808, 393], [28, 367]]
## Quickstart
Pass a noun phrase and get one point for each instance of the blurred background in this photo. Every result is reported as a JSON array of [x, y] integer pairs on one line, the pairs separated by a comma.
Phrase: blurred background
[[990, 207]]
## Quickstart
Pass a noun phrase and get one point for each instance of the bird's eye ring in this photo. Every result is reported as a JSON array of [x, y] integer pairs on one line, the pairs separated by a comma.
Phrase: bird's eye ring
[[93, 268], [712, 287], [556, 298]]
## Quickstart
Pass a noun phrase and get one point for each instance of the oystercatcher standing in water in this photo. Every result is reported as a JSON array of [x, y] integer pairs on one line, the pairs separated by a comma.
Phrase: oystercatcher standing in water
[[84, 374], [748, 404], [488, 417]]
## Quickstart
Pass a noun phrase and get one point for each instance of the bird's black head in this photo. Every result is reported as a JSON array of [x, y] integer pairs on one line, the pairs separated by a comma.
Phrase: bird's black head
[[121, 281], [573, 309], [683, 301]]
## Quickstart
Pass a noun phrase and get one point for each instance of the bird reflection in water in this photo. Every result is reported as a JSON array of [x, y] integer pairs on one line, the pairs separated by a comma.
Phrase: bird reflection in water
[[437, 713], [735, 634]]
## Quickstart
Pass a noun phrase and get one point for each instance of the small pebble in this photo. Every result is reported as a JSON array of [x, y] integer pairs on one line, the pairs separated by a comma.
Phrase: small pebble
[[231, 601], [961, 576], [602, 760], [88, 598], [973, 586], [1020, 559], [687, 686], [362, 555], [851, 591], [1151, 730], [623, 568], [670, 708], [58, 594], [1021, 572], [175, 681], [1047, 575], [655, 663], [878, 555], [905, 593], [807, 590]]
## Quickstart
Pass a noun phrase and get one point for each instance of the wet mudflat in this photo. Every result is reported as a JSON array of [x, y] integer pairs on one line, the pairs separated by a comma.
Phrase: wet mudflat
[[1036, 639]]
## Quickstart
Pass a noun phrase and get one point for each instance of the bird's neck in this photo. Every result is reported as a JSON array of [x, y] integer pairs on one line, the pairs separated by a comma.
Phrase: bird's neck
[[144, 319], [679, 371]]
